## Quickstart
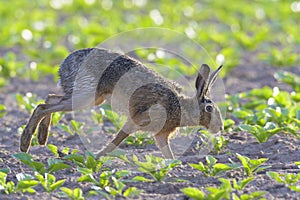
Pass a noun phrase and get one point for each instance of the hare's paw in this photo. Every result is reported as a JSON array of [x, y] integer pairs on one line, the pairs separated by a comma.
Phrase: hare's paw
[[25, 140], [43, 130]]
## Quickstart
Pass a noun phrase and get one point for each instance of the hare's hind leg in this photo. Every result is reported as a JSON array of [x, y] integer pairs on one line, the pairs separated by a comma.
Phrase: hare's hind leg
[[44, 125], [162, 142], [39, 113]]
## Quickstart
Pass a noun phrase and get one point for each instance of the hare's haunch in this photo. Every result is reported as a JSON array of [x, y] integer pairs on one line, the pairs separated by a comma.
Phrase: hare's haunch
[[152, 103]]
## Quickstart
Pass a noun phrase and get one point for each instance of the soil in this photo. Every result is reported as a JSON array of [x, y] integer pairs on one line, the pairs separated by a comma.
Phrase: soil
[[282, 150]]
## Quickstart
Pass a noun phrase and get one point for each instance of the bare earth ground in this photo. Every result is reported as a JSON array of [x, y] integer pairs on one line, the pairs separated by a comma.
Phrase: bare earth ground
[[281, 150]]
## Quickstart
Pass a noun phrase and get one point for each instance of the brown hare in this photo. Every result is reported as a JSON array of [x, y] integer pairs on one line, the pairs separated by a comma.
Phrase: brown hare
[[152, 103]]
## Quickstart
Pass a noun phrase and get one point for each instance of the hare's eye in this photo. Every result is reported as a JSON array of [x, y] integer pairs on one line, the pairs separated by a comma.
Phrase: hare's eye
[[208, 108]]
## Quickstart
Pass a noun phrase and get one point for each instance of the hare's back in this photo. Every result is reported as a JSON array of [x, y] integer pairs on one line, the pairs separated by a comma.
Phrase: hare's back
[[84, 64], [69, 68], [100, 70]]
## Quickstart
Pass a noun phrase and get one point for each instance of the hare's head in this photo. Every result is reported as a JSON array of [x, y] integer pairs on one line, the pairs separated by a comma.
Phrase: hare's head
[[210, 115]]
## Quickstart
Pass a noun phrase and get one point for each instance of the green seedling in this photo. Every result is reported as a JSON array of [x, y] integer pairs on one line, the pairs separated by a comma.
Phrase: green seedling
[[65, 151], [291, 180], [2, 81], [53, 149], [74, 127], [287, 119], [263, 93], [243, 114], [252, 195], [77, 126], [6, 187], [252, 166], [113, 117], [251, 42], [88, 161], [279, 58], [56, 165], [29, 161], [97, 115], [10, 66], [139, 139], [110, 183], [2, 110], [240, 185], [289, 78], [267, 111], [276, 113], [157, 167], [227, 190], [27, 102], [48, 181], [32, 45], [105, 178], [233, 102], [25, 184], [194, 193], [117, 190], [53, 164], [56, 117], [277, 120], [75, 194], [228, 124], [65, 128], [212, 168], [262, 134], [217, 142]]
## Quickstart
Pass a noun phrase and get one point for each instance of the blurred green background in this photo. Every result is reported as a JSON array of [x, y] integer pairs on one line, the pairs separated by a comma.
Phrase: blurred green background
[[36, 36]]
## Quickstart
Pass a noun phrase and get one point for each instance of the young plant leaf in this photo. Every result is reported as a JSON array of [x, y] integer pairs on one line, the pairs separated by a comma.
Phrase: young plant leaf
[[193, 193]]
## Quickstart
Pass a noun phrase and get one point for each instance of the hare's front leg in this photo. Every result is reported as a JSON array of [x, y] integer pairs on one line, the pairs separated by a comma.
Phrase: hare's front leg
[[39, 113], [44, 125], [121, 135], [162, 142]]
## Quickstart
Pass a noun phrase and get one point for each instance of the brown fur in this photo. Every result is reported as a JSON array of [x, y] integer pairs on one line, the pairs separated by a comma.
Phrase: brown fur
[[152, 103]]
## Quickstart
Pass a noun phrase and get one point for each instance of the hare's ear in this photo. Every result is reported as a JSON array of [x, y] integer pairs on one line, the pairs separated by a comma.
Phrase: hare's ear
[[202, 81], [213, 77]]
